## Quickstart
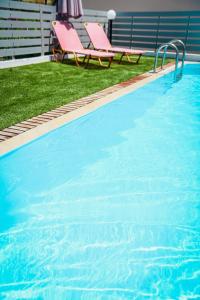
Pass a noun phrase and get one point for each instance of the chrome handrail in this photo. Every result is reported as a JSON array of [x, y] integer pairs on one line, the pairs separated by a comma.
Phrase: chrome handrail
[[165, 46], [183, 51]]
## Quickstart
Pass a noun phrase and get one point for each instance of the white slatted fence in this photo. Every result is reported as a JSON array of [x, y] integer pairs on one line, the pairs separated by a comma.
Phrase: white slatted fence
[[25, 28]]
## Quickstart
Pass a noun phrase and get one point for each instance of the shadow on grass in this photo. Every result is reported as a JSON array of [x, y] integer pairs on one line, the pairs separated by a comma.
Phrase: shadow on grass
[[93, 64]]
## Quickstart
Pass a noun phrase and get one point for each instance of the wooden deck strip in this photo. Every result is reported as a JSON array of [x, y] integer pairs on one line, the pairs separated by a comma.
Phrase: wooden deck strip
[[2, 137], [13, 130], [23, 126], [72, 106], [7, 134], [53, 114], [32, 123], [36, 121], [62, 111], [66, 108], [15, 127], [42, 118]]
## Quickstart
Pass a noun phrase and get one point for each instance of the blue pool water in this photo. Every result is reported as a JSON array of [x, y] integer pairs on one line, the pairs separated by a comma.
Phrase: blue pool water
[[107, 206]]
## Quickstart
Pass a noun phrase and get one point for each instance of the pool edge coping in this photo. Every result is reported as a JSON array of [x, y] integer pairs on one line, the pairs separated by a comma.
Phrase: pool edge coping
[[123, 88]]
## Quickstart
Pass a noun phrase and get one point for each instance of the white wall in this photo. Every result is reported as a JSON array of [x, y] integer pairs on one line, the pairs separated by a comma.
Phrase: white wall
[[143, 5]]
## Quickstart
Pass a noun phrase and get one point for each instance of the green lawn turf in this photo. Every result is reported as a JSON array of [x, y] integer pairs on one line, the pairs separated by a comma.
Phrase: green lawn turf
[[31, 90]]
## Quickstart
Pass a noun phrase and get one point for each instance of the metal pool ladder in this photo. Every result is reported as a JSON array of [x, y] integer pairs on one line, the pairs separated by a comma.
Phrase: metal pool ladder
[[171, 44]]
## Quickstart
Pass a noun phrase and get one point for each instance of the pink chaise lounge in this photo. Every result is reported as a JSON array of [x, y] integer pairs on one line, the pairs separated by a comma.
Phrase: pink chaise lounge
[[70, 43], [100, 41]]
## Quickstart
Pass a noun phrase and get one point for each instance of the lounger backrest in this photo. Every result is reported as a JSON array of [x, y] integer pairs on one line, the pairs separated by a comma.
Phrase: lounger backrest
[[67, 36], [97, 36]]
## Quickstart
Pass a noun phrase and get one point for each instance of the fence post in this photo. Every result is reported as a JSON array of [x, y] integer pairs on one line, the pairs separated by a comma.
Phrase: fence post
[[11, 29], [157, 33], [187, 31], [42, 30], [131, 37], [110, 25]]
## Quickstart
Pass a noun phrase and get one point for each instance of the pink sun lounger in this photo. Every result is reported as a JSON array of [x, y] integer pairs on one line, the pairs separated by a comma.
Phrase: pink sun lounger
[[69, 42], [100, 41]]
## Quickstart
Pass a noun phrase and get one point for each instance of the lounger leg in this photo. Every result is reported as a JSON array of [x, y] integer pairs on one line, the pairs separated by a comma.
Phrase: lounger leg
[[54, 55], [100, 62], [63, 56], [128, 58], [56, 52], [137, 61], [88, 59], [76, 60], [121, 58], [84, 58], [110, 61]]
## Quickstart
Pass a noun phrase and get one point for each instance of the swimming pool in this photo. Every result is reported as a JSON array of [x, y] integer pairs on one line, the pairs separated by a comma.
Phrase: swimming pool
[[107, 206]]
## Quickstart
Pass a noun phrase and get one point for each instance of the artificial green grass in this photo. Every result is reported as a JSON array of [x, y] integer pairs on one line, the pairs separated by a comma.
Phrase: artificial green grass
[[31, 90]]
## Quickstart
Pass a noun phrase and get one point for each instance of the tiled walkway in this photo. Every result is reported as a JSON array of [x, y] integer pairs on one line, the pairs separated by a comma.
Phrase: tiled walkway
[[21, 127]]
